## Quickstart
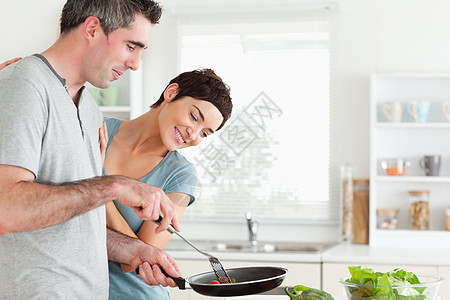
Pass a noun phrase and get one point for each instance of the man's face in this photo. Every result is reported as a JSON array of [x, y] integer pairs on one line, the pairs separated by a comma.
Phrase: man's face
[[111, 56]]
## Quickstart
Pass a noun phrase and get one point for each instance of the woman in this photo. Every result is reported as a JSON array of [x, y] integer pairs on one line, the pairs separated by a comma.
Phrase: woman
[[193, 106]]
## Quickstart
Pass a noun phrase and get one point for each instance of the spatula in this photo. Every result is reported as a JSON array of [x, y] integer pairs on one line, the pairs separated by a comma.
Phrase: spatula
[[219, 270]]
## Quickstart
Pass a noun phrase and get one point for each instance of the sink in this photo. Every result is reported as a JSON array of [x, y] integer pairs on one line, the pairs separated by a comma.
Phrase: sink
[[245, 246], [271, 247]]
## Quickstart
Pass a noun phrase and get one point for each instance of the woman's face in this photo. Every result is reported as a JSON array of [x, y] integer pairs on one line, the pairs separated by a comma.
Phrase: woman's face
[[187, 121]]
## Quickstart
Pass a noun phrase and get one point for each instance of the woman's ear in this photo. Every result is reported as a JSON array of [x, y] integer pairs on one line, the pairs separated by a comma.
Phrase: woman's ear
[[170, 92]]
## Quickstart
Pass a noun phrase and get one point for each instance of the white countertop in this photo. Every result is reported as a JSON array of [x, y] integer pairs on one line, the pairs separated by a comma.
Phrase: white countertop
[[313, 257], [272, 297], [348, 253], [344, 253], [341, 253], [275, 297]]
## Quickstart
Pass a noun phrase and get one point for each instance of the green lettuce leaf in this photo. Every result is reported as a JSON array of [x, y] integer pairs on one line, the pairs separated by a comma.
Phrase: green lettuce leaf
[[379, 285]]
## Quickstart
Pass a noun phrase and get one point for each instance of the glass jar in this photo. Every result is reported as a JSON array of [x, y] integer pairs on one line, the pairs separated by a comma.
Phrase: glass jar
[[419, 209], [387, 218], [361, 211], [447, 217], [347, 202]]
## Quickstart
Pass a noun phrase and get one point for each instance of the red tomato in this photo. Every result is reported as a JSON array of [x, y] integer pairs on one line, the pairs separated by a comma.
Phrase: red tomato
[[214, 282]]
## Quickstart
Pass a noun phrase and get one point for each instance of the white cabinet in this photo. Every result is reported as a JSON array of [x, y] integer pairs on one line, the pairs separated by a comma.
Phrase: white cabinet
[[332, 272], [129, 105], [444, 272], [308, 274], [410, 140], [189, 268]]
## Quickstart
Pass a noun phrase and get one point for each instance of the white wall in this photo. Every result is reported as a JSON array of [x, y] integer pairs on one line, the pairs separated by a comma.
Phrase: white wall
[[27, 26], [160, 60], [350, 83], [384, 36], [373, 36], [412, 36]]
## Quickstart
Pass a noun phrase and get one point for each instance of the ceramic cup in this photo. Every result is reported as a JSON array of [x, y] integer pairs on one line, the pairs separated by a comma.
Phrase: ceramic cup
[[110, 96], [446, 110], [393, 111], [419, 110], [95, 93], [431, 164]]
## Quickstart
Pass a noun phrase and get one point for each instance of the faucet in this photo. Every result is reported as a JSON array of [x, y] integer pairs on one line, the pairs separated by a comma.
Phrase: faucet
[[252, 229]]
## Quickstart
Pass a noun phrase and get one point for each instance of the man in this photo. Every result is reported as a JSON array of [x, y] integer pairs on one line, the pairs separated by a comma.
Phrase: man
[[53, 241]]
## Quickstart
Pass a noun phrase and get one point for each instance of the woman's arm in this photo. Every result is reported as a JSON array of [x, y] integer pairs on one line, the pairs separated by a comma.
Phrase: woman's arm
[[146, 233], [115, 221], [8, 62], [103, 134]]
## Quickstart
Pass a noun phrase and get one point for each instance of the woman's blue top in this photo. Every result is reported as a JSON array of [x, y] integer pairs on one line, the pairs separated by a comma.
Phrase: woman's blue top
[[174, 174]]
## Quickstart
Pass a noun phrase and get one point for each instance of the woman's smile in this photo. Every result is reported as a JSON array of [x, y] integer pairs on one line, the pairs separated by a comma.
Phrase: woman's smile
[[179, 136]]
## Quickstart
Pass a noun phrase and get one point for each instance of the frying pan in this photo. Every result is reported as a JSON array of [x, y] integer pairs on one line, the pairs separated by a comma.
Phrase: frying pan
[[249, 280]]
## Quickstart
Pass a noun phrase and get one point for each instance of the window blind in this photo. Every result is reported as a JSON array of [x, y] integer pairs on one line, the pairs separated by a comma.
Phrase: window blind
[[273, 156]]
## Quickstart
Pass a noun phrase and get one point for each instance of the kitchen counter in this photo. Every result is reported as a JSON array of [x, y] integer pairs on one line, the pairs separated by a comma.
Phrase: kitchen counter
[[323, 269], [349, 253], [340, 253], [272, 297], [243, 251], [304, 257], [335, 262]]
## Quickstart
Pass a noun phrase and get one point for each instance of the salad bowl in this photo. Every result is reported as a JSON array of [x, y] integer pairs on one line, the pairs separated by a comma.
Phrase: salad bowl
[[427, 288]]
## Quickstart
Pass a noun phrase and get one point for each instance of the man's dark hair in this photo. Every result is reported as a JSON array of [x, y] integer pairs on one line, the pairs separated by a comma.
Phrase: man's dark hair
[[113, 14]]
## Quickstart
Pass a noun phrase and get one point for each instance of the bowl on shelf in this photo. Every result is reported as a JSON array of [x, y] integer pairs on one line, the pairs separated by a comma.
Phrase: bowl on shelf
[[428, 289], [394, 166]]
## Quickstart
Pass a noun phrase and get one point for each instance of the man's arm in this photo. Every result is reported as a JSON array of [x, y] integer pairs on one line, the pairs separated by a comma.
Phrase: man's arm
[[27, 205], [135, 253]]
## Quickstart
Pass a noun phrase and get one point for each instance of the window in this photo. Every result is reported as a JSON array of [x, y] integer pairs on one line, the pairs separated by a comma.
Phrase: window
[[273, 156]]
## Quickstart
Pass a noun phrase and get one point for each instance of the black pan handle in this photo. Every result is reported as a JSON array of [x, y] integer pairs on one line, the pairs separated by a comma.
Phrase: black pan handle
[[179, 281], [159, 220], [169, 229]]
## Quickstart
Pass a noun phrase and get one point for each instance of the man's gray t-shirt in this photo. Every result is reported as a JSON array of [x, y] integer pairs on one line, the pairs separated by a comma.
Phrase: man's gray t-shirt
[[42, 130]]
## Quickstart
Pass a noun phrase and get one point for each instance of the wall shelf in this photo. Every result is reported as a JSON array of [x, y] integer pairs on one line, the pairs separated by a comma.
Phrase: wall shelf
[[112, 109], [407, 125], [412, 179], [411, 141]]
